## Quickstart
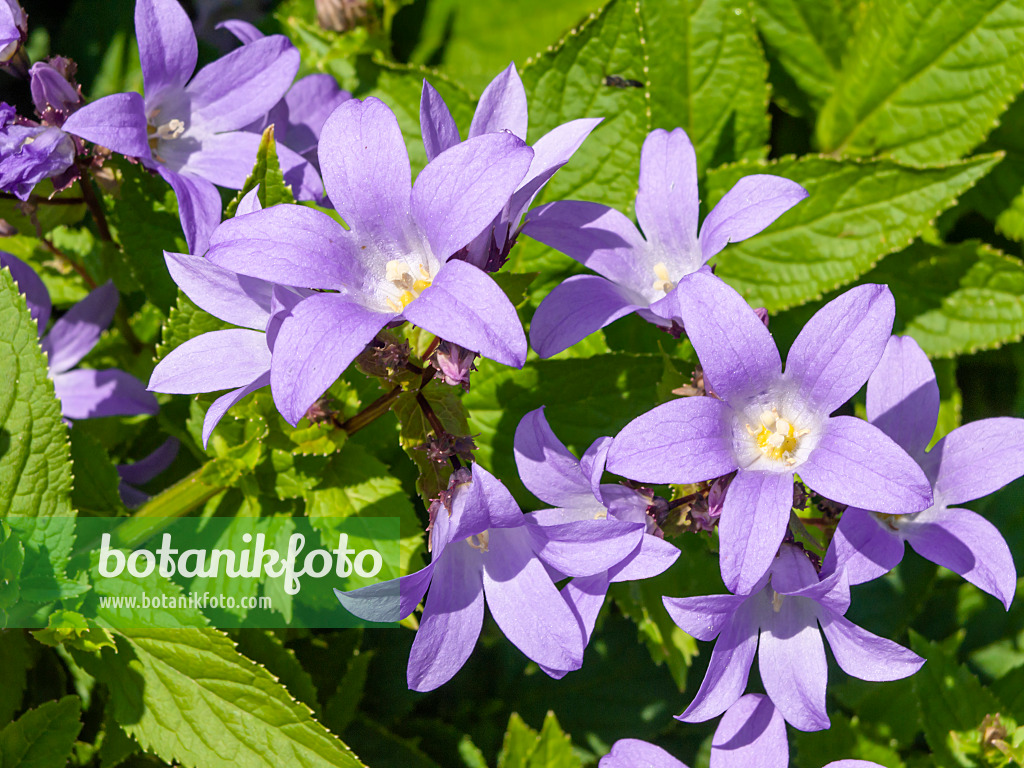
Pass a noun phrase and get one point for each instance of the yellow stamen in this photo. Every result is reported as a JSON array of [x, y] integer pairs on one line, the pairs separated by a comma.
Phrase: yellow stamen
[[479, 541], [777, 437]]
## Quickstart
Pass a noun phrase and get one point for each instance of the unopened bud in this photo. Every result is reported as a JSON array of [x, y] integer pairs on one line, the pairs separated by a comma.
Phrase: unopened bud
[[53, 91], [454, 363], [341, 15]]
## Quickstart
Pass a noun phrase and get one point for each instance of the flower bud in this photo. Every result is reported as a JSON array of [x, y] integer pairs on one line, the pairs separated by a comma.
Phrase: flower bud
[[454, 363], [53, 90], [13, 33]]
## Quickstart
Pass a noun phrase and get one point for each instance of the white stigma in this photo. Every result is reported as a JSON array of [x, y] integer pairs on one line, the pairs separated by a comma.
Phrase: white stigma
[[172, 129], [664, 280]]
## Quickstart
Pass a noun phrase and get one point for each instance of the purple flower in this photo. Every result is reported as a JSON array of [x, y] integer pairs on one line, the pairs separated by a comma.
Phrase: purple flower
[[84, 393], [393, 263], [189, 130], [54, 93], [502, 107], [13, 30], [238, 358], [785, 608], [752, 734], [634, 753], [639, 273], [30, 153], [144, 470], [483, 546], [574, 488], [770, 425], [968, 463], [299, 117]]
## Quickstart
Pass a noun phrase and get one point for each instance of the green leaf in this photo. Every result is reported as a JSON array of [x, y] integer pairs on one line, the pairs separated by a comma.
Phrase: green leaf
[[857, 212], [35, 466], [42, 737], [706, 73], [518, 743], [96, 478], [523, 747], [415, 428], [266, 173], [144, 214], [15, 653], [1000, 195], [186, 321], [955, 299], [952, 699], [267, 648], [807, 39], [925, 80], [172, 689]]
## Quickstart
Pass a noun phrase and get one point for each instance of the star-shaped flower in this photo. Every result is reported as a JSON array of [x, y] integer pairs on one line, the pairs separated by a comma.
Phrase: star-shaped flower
[[768, 425], [970, 462]]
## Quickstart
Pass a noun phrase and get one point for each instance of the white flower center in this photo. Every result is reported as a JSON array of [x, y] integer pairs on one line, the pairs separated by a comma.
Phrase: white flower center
[[403, 284], [172, 129], [776, 437]]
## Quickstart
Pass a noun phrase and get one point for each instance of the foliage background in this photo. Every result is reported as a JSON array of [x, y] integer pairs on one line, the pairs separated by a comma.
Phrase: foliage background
[[904, 121]]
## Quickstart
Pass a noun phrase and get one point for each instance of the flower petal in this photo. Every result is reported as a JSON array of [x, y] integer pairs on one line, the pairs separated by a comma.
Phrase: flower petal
[[968, 544], [728, 668], [461, 190], [526, 605], [840, 346], [584, 547], [31, 286], [550, 152], [79, 329], [89, 394], [751, 734], [452, 619], [315, 345], [388, 601], [791, 657], [681, 441], [234, 298], [903, 396], [598, 237], [633, 753], [436, 123], [735, 349], [198, 207], [862, 547], [703, 617], [752, 204], [213, 361], [309, 103], [168, 50], [546, 467], [654, 556], [753, 523], [289, 245], [585, 596], [575, 309], [482, 504], [465, 306], [222, 404], [243, 30], [977, 459], [856, 464], [148, 467], [867, 656], [117, 122], [365, 167], [502, 106], [666, 201], [242, 86]]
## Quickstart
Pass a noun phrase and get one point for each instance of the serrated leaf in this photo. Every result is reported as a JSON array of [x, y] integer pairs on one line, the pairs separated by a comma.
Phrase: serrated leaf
[[554, 747], [144, 214], [1000, 195], [857, 212], [807, 39], [955, 299], [267, 648], [42, 737], [925, 80], [35, 466], [517, 744], [96, 479], [706, 73], [171, 689], [267, 174], [185, 321], [951, 697]]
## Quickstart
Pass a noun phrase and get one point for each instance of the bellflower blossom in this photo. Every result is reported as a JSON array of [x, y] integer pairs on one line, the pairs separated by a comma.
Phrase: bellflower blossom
[[84, 393], [784, 608], [237, 358], [54, 94], [486, 547], [13, 30], [299, 117], [393, 263], [574, 488], [189, 129], [970, 462], [640, 273], [769, 425], [502, 107], [30, 153], [752, 734]]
